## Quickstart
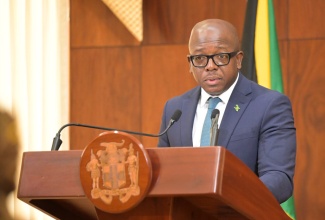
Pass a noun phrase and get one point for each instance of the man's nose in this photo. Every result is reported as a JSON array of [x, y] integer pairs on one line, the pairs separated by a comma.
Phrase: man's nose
[[211, 65]]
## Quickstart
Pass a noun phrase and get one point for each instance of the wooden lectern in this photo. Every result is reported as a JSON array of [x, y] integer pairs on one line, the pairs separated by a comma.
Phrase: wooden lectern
[[187, 183]]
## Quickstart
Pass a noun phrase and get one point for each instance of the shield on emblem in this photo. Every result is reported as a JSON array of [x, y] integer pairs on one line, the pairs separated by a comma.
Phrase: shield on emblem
[[113, 167], [114, 175]]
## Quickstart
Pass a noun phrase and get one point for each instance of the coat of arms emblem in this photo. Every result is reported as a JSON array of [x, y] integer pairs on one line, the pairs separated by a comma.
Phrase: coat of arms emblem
[[118, 168]]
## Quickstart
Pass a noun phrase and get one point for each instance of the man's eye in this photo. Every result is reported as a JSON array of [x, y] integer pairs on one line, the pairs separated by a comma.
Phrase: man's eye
[[221, 56], [199, 58]]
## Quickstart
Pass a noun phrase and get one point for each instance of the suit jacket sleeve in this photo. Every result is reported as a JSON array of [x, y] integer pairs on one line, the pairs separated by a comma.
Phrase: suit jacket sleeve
[[277, 148]]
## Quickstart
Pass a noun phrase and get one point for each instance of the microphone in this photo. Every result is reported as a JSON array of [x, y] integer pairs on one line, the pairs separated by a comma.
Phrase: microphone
[[214, 131], [57, 141]]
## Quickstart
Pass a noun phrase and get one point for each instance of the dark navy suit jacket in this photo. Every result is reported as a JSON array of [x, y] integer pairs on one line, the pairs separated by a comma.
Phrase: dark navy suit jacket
[[261, 133]]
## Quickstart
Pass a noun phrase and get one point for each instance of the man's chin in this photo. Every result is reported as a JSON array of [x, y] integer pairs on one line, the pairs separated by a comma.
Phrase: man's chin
[[213, 92]]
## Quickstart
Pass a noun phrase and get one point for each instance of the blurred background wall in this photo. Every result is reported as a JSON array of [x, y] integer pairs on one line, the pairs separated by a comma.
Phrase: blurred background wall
[[34, 80]]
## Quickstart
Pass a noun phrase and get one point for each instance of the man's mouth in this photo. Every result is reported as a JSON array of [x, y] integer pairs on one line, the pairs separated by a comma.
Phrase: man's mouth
[[212, 80]]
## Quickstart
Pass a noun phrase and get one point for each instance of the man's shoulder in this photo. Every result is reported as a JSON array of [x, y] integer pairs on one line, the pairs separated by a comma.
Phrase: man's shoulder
[[261, 90], [260, 93], [268, 96], [193, 93]]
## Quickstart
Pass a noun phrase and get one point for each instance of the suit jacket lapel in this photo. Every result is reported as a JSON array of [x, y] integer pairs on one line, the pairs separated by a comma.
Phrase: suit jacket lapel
[[240, 97], [189, 106]]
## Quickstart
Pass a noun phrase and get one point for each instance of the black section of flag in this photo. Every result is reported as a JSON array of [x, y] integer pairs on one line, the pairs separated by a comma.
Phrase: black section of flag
[[248, 65]]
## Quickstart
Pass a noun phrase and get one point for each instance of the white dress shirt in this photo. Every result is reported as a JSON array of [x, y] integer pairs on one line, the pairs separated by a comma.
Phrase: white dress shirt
[[202, 108]]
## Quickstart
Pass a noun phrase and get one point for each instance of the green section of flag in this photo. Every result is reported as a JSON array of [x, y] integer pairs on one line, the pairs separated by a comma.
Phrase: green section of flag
[[289, 207], [275, 63], [277, 84]]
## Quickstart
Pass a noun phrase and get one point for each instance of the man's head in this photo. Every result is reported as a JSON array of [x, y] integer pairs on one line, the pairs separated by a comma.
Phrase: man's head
[[209, 37]]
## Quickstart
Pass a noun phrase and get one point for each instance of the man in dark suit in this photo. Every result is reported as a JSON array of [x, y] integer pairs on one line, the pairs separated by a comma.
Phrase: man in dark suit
[[257, 124]]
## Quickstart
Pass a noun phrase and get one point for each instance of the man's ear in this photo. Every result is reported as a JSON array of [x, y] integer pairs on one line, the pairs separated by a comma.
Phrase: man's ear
[[239, 59]]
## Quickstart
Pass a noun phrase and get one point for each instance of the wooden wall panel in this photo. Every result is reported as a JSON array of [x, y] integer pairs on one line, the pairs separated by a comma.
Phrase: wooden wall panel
[[104, 91], [281, 18], [92, 24], [165, 74], [283, 50], [306, 86], [306, 19], [171, 21], [233, 12]]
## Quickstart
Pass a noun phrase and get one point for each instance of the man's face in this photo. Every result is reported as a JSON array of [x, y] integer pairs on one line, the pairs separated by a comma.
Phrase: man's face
[[212, 78]]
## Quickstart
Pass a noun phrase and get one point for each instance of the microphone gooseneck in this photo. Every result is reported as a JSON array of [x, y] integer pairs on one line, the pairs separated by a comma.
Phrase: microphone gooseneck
[[57, 141]]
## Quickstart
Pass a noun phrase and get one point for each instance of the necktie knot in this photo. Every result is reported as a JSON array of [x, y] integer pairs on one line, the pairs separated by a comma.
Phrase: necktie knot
[[213, 102]]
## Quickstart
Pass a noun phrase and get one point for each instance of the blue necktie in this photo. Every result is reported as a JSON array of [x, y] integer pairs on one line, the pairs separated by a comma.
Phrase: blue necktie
[[205, 136]]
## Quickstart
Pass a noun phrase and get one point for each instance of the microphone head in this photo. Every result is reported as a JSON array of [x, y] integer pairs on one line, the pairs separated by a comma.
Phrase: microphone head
[[56, 142], [177, 114], [214, 113]]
